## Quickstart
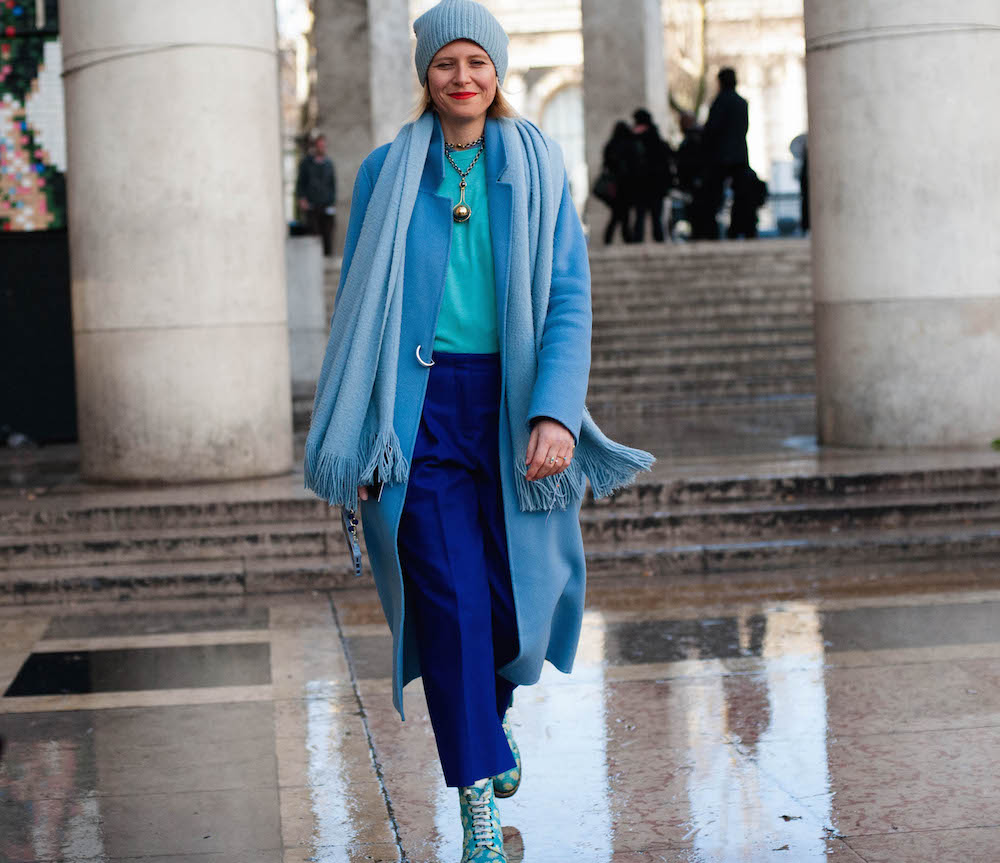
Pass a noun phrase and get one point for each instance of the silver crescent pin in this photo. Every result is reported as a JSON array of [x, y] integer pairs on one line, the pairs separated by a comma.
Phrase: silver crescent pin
[[420, 359]]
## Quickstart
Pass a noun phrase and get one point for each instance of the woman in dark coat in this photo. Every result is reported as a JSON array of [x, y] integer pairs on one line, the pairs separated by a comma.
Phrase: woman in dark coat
[[652, 168], [618, 166]]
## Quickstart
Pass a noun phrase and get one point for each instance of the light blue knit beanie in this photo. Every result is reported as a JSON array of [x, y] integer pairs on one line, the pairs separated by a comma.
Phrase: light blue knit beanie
[[459, 19]]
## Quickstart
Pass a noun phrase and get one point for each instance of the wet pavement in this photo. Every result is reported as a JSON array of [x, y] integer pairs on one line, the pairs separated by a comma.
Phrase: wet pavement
[[697, 726]]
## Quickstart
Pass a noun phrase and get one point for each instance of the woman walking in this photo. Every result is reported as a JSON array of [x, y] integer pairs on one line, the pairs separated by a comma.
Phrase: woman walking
[[451, 403]]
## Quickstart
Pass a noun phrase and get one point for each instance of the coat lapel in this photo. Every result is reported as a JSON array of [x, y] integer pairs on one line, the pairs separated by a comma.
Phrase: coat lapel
[[501, 194]]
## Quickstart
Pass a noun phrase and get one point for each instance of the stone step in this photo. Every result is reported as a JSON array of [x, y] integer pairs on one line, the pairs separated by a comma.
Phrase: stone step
[[644, 296], [67, 515], [712, 255], [686, 523], [661, 490], [652, 406], [750, 268], [78, 519], [882, 548], [709, 368], [763, 277], [723, 323], [825, 550], [188, 579], [722, 384], [682, 258], [667, 313], [652, 338], [619, 357], [244, 541]]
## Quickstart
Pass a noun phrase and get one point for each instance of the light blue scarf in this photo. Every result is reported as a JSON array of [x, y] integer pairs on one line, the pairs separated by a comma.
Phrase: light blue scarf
[[351, 435]]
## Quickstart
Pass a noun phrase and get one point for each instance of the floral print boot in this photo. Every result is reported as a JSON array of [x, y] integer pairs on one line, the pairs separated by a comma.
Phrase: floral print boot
[[482, 840], [507, 783]]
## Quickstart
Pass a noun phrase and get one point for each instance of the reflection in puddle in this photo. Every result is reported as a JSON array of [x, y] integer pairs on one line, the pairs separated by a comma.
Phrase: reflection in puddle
[[739, 806], [327, 776], [48, 788]]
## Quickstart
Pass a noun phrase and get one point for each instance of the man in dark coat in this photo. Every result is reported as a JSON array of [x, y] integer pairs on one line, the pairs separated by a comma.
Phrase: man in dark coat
[[653, 175], [316, 190], [725, 140]]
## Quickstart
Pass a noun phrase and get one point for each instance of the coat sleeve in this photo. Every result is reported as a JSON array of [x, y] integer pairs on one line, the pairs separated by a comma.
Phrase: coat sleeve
[[363, 186], [564, 359]]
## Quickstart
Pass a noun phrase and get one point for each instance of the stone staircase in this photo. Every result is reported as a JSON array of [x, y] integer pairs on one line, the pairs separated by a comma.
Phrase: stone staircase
[[680, 333], [203, 540], [696, 325]]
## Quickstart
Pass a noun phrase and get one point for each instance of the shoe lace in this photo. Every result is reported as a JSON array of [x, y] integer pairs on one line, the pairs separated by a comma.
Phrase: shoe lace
[[482, 820]]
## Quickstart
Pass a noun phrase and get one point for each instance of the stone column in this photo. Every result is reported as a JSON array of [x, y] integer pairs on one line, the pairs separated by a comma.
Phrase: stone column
[[904, 159], [623, 69], [365, 84], [176, 239]]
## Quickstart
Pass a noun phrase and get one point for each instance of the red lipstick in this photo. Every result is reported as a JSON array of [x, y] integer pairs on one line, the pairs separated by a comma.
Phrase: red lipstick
[[462, 95]]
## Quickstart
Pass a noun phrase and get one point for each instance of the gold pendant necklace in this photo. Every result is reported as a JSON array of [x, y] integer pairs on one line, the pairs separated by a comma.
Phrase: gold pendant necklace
[[462, 211]]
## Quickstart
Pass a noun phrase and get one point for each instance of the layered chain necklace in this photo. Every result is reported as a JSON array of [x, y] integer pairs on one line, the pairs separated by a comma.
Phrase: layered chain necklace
[[462, 211]]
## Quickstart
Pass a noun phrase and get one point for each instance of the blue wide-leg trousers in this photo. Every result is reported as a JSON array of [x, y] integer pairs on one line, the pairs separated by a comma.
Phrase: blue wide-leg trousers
[[453, 550]]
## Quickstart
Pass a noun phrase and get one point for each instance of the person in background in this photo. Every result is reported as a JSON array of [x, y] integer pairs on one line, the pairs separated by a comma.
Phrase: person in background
[[800, 150], [749, 195], [725, 140], [618, 166], [316, 190], [691, 176], [652, 170]]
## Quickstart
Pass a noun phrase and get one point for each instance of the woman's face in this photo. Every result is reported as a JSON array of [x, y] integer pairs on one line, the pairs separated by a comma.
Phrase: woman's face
[[462, 80]]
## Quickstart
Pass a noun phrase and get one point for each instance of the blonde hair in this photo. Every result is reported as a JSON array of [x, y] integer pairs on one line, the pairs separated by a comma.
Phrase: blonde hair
[[500, 107]]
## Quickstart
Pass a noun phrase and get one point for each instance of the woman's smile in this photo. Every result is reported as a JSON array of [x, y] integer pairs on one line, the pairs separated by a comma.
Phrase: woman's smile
[[463, 95]]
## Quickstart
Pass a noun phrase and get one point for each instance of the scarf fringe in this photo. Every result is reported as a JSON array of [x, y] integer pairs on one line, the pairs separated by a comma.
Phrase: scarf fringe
[[608, 465], [553, 492], [335, 477]]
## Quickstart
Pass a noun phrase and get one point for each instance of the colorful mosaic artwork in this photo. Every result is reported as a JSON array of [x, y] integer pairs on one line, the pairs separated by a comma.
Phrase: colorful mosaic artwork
[[32, 120]]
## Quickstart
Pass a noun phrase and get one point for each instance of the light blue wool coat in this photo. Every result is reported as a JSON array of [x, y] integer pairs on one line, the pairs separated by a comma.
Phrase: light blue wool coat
[[546, 554]]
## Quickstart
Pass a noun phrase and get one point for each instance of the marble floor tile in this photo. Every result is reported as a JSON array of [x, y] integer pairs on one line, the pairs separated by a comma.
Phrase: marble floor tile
[[167, 639], [138, 751], [22, 633], [884, 783], [378, 853], [258, 855], [319, 816], [140, 698], [970, 845], [357, 607], [916, 697], [234, 822], [142, 669], [151, 620], [301, 615], [305, 659]]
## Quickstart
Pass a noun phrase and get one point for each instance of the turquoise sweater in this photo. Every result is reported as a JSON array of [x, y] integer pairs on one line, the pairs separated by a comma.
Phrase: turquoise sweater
[[467, 323]]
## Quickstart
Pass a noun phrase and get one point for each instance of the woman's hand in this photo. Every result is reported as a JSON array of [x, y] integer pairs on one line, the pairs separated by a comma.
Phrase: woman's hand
[[550, 449], [363, 492]]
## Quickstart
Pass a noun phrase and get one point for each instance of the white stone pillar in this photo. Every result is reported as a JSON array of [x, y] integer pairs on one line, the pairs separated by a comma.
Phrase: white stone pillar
[[623, 69], [904, 159], [308, 325], [365, 84], [176, 239]]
